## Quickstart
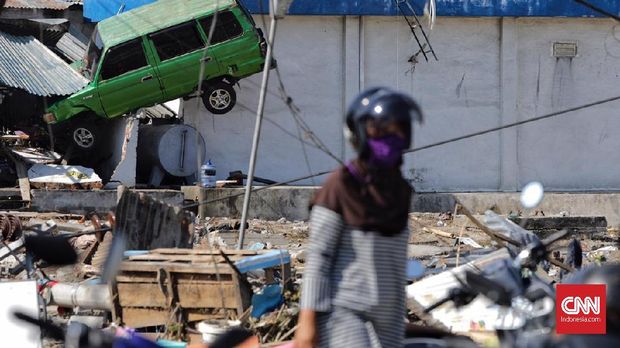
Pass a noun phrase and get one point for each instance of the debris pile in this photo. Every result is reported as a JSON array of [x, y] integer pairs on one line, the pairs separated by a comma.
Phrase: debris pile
[[184, 293]]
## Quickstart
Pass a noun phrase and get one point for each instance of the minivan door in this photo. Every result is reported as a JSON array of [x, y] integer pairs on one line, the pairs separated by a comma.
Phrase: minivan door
[[126, 81], [179, 50], [234, 42]]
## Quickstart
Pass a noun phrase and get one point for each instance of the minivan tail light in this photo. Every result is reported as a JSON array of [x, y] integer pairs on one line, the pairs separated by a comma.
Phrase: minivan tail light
[[49, 117]]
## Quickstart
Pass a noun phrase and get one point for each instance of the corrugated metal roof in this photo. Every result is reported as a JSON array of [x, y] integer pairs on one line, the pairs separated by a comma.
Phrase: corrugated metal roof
[[72, 44], [41, 4], [152, 17], [27, 64]]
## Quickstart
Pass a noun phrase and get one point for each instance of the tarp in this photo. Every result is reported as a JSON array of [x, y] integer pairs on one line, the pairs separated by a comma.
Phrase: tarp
[[97, 10]]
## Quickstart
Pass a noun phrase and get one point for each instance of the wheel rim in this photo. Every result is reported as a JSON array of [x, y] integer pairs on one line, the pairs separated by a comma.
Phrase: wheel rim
[[83, 137], [219, 99]]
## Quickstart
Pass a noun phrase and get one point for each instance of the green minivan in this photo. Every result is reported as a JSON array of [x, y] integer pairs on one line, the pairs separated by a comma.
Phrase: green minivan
[[153, 54]]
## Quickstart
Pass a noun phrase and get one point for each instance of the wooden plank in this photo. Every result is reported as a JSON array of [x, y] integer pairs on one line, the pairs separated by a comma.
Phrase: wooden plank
[[184, 258], [190, 296], [141, 266], [145, 317], [181, 278], [24, 183], [203, 251]]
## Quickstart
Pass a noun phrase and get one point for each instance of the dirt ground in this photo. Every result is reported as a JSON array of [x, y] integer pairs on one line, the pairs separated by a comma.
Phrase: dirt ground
[[424, 244]]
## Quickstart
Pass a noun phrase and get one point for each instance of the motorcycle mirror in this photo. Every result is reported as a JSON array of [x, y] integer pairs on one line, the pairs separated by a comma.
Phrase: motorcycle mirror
[[532, 194], [53, 250], [489, 288]]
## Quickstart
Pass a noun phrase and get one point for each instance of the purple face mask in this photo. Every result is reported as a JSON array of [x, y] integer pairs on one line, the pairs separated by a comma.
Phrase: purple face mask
[[386, 152]]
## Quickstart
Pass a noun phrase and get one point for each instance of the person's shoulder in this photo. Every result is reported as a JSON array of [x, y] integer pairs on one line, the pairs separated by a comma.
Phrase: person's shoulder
[[335, 178], [328, 195]]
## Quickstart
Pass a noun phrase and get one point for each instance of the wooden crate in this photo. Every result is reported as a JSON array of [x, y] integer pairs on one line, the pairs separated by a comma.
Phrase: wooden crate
[[150, 287]]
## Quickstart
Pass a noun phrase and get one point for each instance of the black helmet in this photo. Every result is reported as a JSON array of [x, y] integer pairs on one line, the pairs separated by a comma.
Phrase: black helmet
[[385, 106]]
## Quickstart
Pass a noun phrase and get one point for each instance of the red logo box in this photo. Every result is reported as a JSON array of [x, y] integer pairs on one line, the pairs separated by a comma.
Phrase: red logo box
[[580, 309]]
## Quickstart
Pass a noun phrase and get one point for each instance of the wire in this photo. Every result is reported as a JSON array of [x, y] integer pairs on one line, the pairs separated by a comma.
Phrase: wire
[[558, 113], [201, 72], [598, 9], [296, 114], [275, 124], [295, 110], [417, 149], [257, 189]]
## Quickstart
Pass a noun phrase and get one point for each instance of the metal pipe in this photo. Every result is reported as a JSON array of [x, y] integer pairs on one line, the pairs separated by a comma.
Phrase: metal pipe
[[259, 119], [86, 296]]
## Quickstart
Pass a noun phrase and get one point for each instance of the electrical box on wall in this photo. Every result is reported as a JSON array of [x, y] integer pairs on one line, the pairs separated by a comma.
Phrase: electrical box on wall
[[565, 49]]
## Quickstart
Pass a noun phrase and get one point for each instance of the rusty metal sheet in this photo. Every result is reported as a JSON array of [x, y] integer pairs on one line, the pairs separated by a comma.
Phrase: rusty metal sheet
[[148, 223]]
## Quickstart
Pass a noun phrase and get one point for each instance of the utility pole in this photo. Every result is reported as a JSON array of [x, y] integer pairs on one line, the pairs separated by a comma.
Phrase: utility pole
[[273, 4]]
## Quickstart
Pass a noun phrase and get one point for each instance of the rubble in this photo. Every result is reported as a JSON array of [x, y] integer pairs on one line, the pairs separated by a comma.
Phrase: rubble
[[157, 285], [51, 176]]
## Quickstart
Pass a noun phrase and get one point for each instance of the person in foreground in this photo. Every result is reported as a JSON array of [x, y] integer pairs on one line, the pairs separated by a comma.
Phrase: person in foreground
[[353, 292]]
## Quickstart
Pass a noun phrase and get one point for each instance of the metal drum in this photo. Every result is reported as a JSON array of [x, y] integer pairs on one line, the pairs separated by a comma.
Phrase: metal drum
[[169, 149]]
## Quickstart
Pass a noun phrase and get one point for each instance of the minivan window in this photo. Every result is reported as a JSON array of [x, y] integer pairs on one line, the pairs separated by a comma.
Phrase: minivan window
[[226, 27], [177, 40], [123, 58]]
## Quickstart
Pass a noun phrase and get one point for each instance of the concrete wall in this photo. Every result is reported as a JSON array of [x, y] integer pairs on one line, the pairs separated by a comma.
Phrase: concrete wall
[[491, 71], [292, 203]]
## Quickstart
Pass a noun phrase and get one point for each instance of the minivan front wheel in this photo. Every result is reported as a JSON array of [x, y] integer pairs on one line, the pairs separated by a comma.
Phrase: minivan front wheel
[[219, 98]]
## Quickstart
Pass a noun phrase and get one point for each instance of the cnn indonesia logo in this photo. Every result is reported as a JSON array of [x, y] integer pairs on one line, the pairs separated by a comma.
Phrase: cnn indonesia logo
[[580, 309]]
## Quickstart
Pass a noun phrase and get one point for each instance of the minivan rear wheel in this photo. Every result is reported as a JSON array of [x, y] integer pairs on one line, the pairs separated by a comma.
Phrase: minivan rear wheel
[[219, 98]]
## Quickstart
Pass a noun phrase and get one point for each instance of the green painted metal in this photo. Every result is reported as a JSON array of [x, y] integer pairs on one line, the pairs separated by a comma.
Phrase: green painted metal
[[156, 16], [163, 80]]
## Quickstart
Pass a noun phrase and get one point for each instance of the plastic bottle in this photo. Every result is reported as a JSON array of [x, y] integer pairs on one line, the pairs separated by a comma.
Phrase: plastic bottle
[[207, 174]]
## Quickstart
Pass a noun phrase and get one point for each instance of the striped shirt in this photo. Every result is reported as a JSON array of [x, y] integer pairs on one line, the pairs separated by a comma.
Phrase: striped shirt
[[359, 270]]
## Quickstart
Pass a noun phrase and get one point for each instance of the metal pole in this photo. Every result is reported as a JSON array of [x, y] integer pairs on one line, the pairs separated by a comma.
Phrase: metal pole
[[259, 120]]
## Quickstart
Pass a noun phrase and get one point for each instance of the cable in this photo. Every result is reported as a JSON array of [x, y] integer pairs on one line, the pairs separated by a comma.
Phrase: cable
[[558, 113], [275, 124], [308, 132], [196, 204], [298, 137], [201, 72], [416, 149], [296, 114], [598, 9], [295, 110]]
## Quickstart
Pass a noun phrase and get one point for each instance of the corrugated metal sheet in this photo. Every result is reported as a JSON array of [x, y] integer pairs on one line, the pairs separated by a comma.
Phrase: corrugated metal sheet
[[27, 64], [41, 4], [72, 45], [159, 111]]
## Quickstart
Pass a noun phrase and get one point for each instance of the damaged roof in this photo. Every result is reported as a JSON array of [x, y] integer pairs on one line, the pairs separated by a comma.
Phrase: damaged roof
[[42, 4], [152, 17], [27, 64], [72, 44]]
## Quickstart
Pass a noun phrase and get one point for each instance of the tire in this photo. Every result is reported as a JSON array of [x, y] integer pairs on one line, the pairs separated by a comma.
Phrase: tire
[[219, 98]]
